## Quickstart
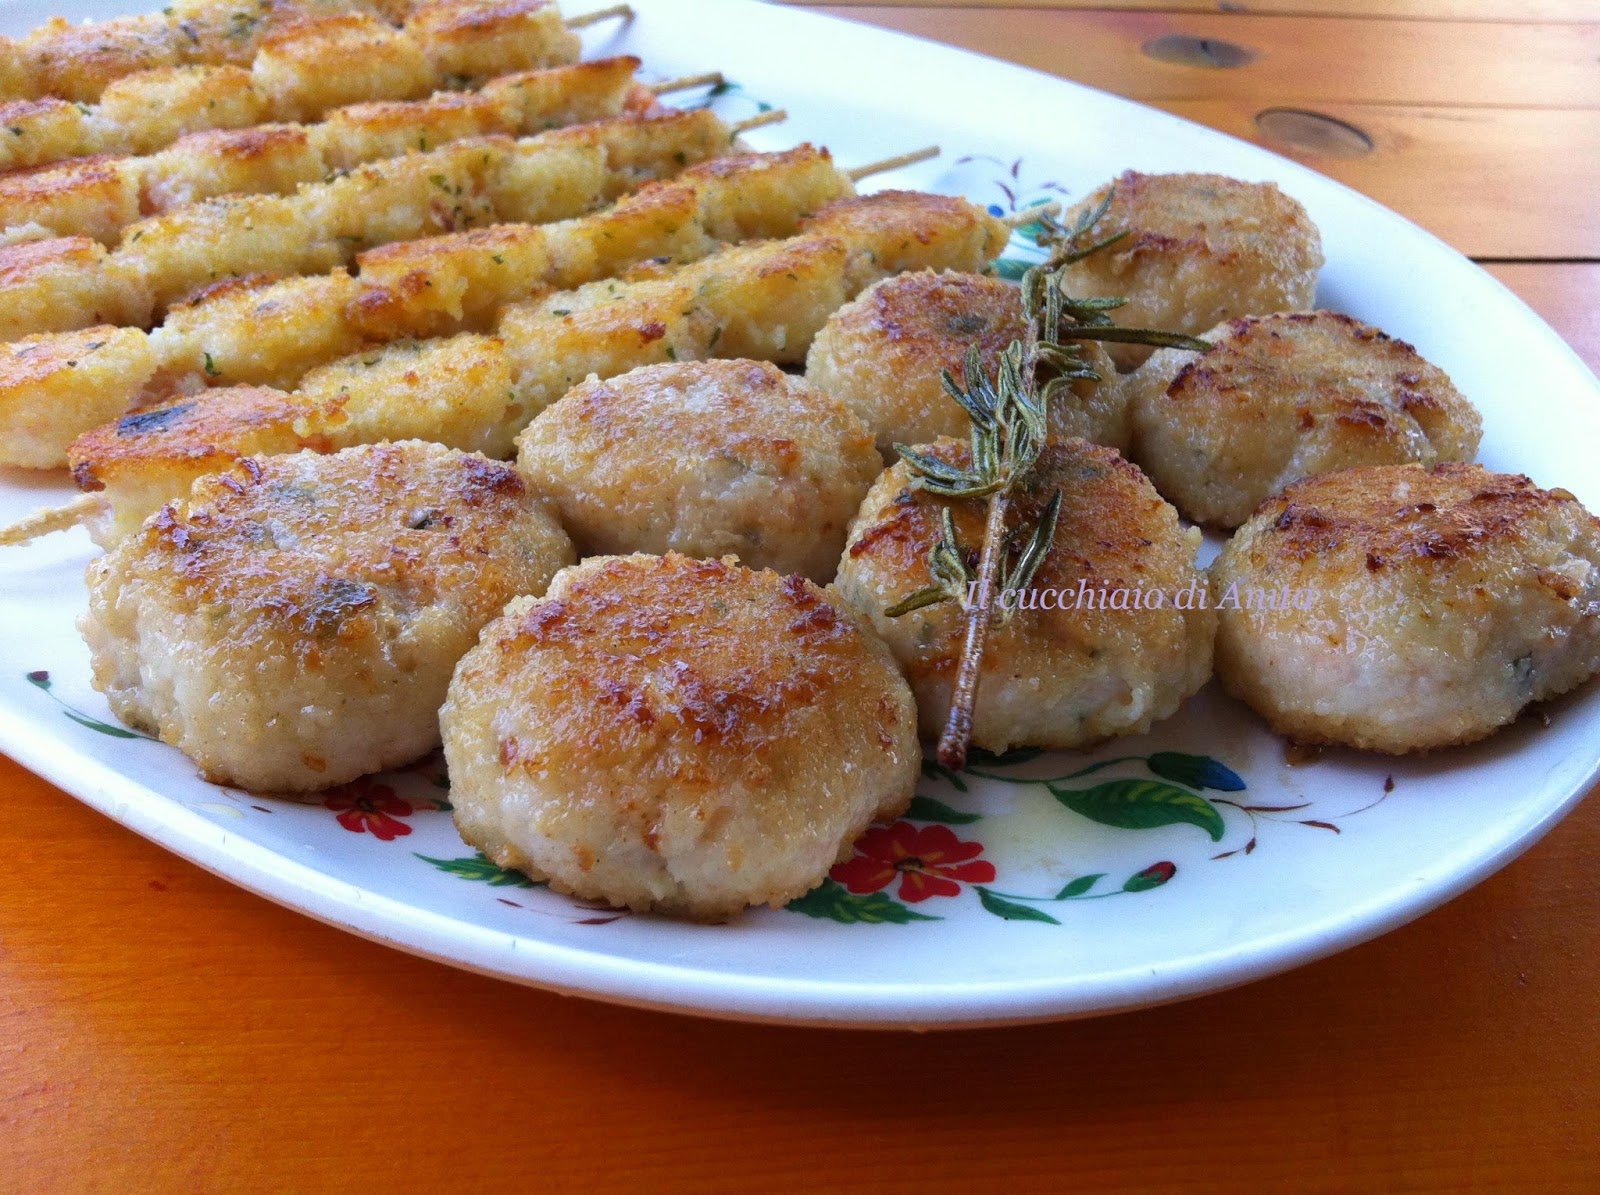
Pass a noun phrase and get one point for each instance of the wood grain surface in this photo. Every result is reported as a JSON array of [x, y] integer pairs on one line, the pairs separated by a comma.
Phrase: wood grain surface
[[1296, 59], [1436, 10], [1480, 178], [161, 1030]]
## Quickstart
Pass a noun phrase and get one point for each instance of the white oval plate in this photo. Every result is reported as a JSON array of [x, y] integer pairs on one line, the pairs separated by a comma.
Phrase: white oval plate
[[1024, 906]]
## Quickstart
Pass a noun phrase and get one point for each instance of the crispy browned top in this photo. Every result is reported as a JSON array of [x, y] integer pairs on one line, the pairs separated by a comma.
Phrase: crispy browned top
[[1168, 212], [1114, 533], [1325, 358], [440, 20], [243, 145], [918, 215], [734, 165], [214, 427], [711, 407], [224, 288], [702, 651], [310, 540], [19, 261], [1389, 515], [1110, 515], [939, 315], [35, 358]]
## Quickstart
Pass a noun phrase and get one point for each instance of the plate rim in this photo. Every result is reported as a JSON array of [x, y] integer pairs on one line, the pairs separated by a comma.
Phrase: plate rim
[[573, 970]]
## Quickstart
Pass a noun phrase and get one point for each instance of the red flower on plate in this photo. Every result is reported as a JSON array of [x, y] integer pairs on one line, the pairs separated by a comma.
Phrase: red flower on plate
[[930, 861], [365, 807]]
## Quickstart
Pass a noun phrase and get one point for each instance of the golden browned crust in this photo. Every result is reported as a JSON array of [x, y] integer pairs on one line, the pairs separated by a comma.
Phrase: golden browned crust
[[53, 387], [1197, 249], [1062, 673], [76, 62], [698, 651], [93, 197], [884, 354], [1438, 603], [705, 458], [1282, 397], [930, 232], [20, 260], [683, 735], [1427, 520], [192, 435], [295, 622], [370, 504]]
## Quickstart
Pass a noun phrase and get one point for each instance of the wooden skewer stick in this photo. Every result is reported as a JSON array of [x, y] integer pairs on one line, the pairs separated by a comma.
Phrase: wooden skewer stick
[[1029, 214], [51, 518], [894, 163], [775, 116], [621, 11], [685, 82]]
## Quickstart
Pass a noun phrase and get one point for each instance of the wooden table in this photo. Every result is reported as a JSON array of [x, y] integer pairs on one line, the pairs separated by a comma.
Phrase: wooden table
[[163, 1030]]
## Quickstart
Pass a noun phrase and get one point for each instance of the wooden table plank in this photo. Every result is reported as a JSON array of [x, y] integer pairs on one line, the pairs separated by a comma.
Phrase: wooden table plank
[[1298, 59], [1436, 10], [167, 1031], [1480, 178], [1565, 294]]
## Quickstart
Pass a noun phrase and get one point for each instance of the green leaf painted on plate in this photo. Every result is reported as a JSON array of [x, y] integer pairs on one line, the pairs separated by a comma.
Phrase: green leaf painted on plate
[[116, 732], [926, 809], [1080, 885], [1010, 910], [1153, 876], [831, 901], [1141, 805], [41, 681], [481, 870], [989, 759], [932, 769], [1013, 268], [1197, 771]]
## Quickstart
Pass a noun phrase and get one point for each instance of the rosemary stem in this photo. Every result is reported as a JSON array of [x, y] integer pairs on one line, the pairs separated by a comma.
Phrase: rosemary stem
[[958, 726]]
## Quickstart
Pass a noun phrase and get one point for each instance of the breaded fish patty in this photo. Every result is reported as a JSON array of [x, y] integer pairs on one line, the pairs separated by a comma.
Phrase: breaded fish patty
[[1112, 636], [706, 458], [1199, 249], [883, 354], [681, 735], [294, 624], [1399, 609], [1281, 397]]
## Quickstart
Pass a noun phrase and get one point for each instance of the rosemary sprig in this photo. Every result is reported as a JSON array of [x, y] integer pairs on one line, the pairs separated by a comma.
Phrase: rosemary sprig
[[1066, 244], [1009, 426]]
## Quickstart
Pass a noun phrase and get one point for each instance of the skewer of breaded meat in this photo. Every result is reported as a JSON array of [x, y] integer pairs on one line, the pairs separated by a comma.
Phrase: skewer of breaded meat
[[150, 109], [289, 44], [763, 301], [64, 284], [100, 195], [273, 331]]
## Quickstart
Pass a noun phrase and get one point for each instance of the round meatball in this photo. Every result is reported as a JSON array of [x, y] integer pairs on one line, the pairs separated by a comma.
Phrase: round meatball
[[1113, 634], [1198, 249], [681, 735], [294, 623], [1281, 397], [707, 458], [1399, 609], [883, 355]]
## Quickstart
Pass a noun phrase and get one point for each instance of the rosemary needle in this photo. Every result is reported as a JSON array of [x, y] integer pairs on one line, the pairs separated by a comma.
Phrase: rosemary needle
[[1009, 417]]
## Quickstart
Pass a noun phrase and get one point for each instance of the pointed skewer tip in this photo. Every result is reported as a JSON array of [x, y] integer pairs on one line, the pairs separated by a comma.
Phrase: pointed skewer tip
[[894, 163], [1029, 214], [51, 518], [685, 82], [772, 116], [584, 20]]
